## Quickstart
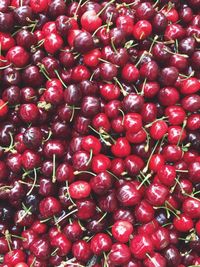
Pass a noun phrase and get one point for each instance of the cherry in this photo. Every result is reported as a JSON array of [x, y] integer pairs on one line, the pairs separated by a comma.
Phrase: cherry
[[172, 255], [160, 238], [81, 250], [53, 42], [156, 194], [190, 207], [155, 260], [40, 248], [142, 29], [130, 73], [141, 245], [158, 129], [79, 189], [121, 148], [144, 212], [128, 195], [49, 206], [62, 243], [90, 21], [119, 254], [14, 257], [101, 183], [100, 243], [83, 42], [122, 231]]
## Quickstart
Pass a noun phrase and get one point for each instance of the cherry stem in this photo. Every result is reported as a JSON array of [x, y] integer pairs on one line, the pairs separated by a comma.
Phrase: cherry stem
[[153, 42], [123, 115], [54, 169], [143, 85], [146, 178], [181, 133], [113, 46], [80, 172], [102, 137], [58, 75], [8, 239], [71, 200], [159, 119], [112, 175], [121, 87], [90, 157], [104, 215], [34, 182], [54, 252], [102, 10], [60, 219], [152, 152], [43, 71]]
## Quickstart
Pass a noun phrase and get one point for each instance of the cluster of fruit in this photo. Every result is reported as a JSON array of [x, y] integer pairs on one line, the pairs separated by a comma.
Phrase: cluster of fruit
[[99, 133]]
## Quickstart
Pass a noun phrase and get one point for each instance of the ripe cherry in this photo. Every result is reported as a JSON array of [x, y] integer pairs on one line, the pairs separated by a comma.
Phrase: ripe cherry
[[100, 243], [79, 189], [141, 245], [122, 231]]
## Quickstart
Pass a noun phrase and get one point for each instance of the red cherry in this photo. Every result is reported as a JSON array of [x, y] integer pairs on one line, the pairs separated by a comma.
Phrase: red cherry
[[190, 86], [91, 143], [144, 212], [160, 238], [100, 243], [15, 256], [90, 21], [39, 5], [133, 122], [155, 260], [79, 189], [141, 245], [183, 223], [167, 174], [6, 41], [130, 73], [121, 148], [110, 91], [81, 250], [156, 162], [122, 231], [100, 163], [18, 56], [91, 59], [49, 206], [120, 254], [158, 129], [142, 29], [128, 195], [53, 42], [3, 108], [156, 194]]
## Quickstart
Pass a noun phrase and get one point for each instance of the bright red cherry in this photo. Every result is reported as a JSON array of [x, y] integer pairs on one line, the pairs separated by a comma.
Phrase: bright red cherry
[[183, 223], [158, 129], [53, 42], [79, 189], [122, 231], [120, 254], [141, 245], [90, 21], [121, 148], [91, 143], [49, 206], [142, 29], [100, 243], [18, 56]]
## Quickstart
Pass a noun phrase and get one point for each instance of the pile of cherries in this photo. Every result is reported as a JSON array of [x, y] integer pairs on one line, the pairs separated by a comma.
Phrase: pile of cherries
[[99, 133]]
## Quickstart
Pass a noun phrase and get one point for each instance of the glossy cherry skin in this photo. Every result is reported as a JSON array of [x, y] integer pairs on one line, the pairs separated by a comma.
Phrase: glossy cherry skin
[[142, 29], [121, 148], [156, 194], [79, 189], [100, 243], [15, 256], [155, 260], [158, 129], [122, 230], [81, 250], [128, 195], [49, 206], [119, 254], [141, 245], [101, 183], [144, 212], [190, 207]]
